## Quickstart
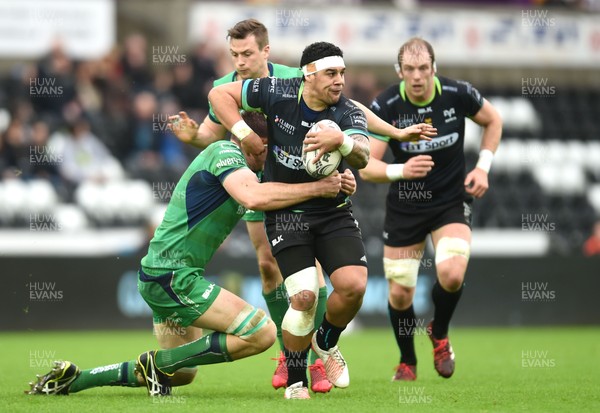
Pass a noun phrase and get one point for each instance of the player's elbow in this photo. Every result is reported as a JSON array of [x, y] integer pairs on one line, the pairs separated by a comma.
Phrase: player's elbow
[[252, 202], [213, 96], [361, 160], [365, 174]]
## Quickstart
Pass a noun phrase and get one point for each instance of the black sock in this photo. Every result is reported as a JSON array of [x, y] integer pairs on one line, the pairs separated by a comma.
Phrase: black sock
[[404, 324], [297, 363], [445, 303], [328, 334]]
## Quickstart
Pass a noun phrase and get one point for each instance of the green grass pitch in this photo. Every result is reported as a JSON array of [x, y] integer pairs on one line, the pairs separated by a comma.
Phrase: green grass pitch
[[497, 370]]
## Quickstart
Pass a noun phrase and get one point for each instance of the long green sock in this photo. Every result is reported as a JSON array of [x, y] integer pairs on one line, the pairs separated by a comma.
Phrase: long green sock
[[209, 349], [120, 374], [277, 303], [321, 307]]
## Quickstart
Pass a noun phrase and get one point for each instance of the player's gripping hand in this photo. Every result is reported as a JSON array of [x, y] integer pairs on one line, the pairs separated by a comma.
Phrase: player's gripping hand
[[183, 127], [418, 132], [417, 166], [348, 182], [326, 140], [331, 185], [476, 183], [253, 145]]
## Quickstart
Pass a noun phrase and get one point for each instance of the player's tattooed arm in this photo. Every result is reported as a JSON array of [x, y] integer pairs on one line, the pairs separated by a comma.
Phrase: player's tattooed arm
[[359, 156]]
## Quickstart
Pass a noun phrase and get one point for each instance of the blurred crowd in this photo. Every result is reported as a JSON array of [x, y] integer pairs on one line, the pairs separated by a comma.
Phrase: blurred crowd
[[70, 121]]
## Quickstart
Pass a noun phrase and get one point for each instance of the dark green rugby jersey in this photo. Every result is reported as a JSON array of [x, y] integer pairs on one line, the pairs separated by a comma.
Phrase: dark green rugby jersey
[[200, 215]]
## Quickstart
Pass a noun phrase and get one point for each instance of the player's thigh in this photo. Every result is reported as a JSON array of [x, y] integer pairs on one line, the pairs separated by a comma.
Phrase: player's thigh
[[344, 259], [171, 335], [452, 244], [413, 251], [401, 268]]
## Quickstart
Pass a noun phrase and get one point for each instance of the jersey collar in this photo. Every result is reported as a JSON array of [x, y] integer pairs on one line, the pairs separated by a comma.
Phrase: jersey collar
[[438, 88]]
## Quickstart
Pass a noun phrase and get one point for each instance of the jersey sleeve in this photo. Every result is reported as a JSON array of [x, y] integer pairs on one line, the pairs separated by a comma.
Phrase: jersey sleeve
[[470, 97], [353, 121], [381, 112], [226, 158], [256, 93]]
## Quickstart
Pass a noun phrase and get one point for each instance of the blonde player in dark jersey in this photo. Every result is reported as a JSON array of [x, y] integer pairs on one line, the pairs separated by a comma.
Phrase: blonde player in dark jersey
[[430, 193]]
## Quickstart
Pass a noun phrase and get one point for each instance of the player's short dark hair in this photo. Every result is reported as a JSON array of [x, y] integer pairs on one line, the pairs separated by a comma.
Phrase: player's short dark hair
[[416, 43], [247, 27], [318, 51]]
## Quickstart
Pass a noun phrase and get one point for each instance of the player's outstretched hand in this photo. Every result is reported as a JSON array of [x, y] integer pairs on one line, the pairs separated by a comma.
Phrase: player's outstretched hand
[[418, 132], [183, 127], [417, 166], [348, 182], [476, 183], [331, 185]]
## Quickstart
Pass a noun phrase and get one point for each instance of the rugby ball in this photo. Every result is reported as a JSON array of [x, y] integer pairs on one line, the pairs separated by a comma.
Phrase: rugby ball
[[329, 162]]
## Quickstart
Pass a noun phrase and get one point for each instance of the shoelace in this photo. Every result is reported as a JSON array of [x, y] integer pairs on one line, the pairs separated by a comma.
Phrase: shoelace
[[442, 349], [404, 370], [337, 356]]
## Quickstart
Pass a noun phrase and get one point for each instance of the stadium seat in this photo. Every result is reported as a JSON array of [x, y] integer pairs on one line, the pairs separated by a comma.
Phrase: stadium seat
[[14, 199], [593, 196], [571, 179], [70, 217], [523, 115], [41, 197]]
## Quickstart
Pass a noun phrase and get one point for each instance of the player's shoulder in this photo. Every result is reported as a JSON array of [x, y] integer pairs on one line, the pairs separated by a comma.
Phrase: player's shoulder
[[345, 106], [217, 152], [456, 86], [221, 147], [459, 87], [285, 72], [346, 109], [228, 78], [387, 97]]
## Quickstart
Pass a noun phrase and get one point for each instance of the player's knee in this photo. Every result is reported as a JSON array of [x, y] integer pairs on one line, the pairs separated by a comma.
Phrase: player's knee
[[401, 297], [265, 337], [299, 323], [451, 258], [351, 288], [401, 272], [303, 287], [248, 323], [452, 279], [303, 300]]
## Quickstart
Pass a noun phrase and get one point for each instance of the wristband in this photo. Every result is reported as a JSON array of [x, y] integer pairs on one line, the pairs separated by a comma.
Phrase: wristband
[[346, 146], [485, 160], [241, 129], [395, 171]]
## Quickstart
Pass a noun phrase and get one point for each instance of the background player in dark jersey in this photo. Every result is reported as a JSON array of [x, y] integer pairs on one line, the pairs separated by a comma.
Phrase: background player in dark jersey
[[429, 194], [249, 49], [207, 203], [324, 229]]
